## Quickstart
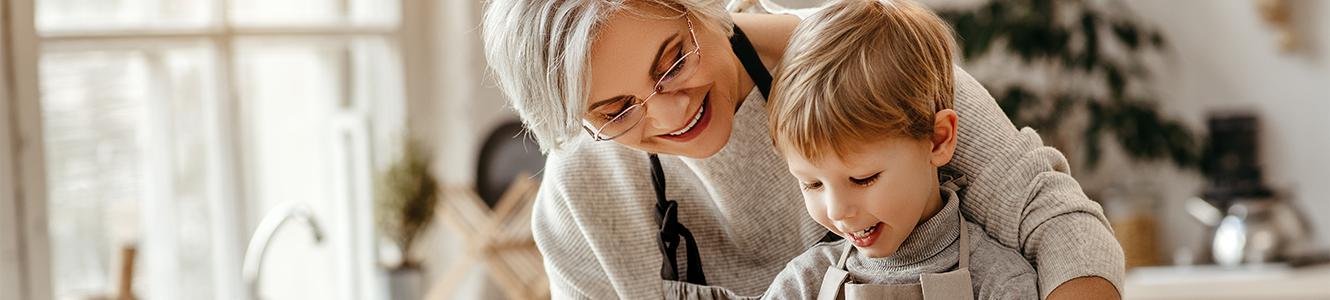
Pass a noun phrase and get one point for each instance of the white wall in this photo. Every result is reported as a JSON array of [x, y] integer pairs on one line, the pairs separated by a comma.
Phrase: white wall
[[470, 104], [1228, 58], [461, 107]]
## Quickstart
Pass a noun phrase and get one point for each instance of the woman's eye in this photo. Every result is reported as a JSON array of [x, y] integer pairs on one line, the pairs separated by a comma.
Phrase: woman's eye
[[622, 105], [810, 185], [866, 180], [671, 72], [671, 63]]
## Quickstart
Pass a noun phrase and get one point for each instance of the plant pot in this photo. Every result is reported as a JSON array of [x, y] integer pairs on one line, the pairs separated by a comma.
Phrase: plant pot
[[405, 283]]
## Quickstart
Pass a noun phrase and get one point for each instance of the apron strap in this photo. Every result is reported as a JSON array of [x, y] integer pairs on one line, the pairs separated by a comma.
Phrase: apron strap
[[834, 280], [667, 237], [956, 183], [844, 255], [965, 239], [752, 63]]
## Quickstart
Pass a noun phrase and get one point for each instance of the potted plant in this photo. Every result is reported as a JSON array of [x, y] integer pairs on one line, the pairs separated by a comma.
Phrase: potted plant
[[405, 197], [1085, 75]]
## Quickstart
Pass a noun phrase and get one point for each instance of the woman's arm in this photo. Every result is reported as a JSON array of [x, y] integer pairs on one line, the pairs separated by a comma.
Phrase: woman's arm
[[1087, 288], [1074, 245], [1024, 196]]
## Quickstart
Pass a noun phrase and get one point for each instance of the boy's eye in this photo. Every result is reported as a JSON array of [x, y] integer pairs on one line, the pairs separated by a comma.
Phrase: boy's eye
[[810, 185], [866, 180]]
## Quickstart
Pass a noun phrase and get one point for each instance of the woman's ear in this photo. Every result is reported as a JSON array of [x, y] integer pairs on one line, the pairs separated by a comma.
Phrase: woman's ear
[[944, 137]]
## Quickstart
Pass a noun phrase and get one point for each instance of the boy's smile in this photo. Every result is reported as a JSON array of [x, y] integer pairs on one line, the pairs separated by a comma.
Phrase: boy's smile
[[875, 195]]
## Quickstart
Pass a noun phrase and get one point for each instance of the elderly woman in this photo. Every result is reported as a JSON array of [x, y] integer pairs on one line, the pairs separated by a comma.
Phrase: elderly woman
[[653, 115]]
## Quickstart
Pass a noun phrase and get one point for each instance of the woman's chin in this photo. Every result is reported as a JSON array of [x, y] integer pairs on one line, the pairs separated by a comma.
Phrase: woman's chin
[[706, 138], [703, 146], [709, 142]]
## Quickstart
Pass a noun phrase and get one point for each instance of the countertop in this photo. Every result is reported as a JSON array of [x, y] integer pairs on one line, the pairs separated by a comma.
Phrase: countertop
[[1273, 281]]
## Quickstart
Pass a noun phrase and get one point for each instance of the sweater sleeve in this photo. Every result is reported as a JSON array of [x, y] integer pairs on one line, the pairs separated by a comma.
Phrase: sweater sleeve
[[563, 247], [802, 277], [590, 235], [1024, 196]]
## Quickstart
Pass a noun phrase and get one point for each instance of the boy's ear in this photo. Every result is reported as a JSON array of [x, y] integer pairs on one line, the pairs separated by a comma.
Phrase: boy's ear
[[944, 137]]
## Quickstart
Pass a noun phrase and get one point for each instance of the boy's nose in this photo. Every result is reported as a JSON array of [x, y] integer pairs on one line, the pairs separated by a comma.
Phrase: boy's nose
[[840, 207]]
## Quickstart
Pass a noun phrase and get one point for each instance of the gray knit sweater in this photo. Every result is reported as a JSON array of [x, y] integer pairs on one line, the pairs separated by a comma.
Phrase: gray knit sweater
[[593, 218], [996, 272]]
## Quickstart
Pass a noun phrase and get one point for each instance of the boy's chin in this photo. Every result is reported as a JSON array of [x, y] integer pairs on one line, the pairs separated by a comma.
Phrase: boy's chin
[[876, 251]]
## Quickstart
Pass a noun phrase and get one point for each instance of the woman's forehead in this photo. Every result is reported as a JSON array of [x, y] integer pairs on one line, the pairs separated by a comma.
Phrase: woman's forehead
[[624, 51]]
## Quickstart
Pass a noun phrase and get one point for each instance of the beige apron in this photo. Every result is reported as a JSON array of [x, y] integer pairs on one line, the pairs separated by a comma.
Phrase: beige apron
[[943, 286]]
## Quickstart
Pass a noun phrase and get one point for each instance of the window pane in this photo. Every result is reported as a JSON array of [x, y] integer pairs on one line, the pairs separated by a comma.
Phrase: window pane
[[307, 106], [100, 15], [125, 144], [302, 13], [289, 94]]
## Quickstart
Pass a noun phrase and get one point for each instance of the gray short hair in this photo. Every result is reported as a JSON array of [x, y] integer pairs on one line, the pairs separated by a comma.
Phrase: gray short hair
[[537, 50]]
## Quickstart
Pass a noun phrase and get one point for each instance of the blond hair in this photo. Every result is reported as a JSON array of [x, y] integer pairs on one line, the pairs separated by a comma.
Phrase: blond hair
[[861, 71], [538, 51]]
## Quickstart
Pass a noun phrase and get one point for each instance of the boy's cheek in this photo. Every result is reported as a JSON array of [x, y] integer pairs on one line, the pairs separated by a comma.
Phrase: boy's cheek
[[818, 212]]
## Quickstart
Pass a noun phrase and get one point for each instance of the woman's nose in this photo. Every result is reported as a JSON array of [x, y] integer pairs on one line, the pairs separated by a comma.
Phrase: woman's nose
[[669, 111]]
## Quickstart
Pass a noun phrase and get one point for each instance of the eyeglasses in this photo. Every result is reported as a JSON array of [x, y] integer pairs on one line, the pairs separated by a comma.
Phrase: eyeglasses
[[628, 119]]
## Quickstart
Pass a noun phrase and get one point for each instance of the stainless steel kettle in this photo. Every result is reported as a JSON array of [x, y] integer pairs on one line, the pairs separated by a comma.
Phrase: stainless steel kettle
[[1253, 231]]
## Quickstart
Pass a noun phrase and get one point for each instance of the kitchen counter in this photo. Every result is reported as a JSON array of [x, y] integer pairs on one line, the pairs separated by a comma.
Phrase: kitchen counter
[[1274, 281]]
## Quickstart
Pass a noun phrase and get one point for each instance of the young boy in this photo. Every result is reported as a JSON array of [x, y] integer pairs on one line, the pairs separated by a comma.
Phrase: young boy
[[861, 111]]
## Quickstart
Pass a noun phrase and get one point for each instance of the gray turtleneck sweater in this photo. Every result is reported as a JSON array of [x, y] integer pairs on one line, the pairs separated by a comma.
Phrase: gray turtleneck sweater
[[996, 272]]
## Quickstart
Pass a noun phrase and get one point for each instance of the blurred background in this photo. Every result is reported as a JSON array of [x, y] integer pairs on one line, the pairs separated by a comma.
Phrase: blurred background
[[157, 149]]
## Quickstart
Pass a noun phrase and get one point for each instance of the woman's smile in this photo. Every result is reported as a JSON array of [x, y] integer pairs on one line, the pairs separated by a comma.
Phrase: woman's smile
[[696, 126]]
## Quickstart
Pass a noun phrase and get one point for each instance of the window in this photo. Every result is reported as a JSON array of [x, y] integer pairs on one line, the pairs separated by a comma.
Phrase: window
[[173, 126]]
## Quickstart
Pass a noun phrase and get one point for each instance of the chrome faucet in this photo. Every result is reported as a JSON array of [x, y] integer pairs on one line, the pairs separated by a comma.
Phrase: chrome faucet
[[263, 234]]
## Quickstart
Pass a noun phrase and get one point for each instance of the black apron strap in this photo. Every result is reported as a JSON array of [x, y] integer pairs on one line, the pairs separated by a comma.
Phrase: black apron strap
[[667, 237], [752, 63]]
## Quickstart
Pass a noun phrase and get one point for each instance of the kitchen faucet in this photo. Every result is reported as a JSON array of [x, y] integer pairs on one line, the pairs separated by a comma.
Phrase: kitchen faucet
[[263, 234]]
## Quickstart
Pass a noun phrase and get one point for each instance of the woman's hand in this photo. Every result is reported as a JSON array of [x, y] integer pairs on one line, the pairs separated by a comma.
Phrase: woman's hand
[[1090, 287]]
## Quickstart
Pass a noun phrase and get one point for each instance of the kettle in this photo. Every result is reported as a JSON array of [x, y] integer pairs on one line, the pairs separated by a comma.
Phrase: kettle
[[1252, 231], [1251, 223]]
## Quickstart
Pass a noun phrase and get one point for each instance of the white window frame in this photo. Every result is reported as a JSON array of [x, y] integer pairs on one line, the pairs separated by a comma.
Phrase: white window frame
[[25, 262], [12, 284], [28, 159]]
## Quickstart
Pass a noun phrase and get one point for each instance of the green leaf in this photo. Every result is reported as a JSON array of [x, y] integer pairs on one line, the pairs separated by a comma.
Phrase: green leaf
[[1014, 102], [1092, 134], [1090, 28], [1128, 34]]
